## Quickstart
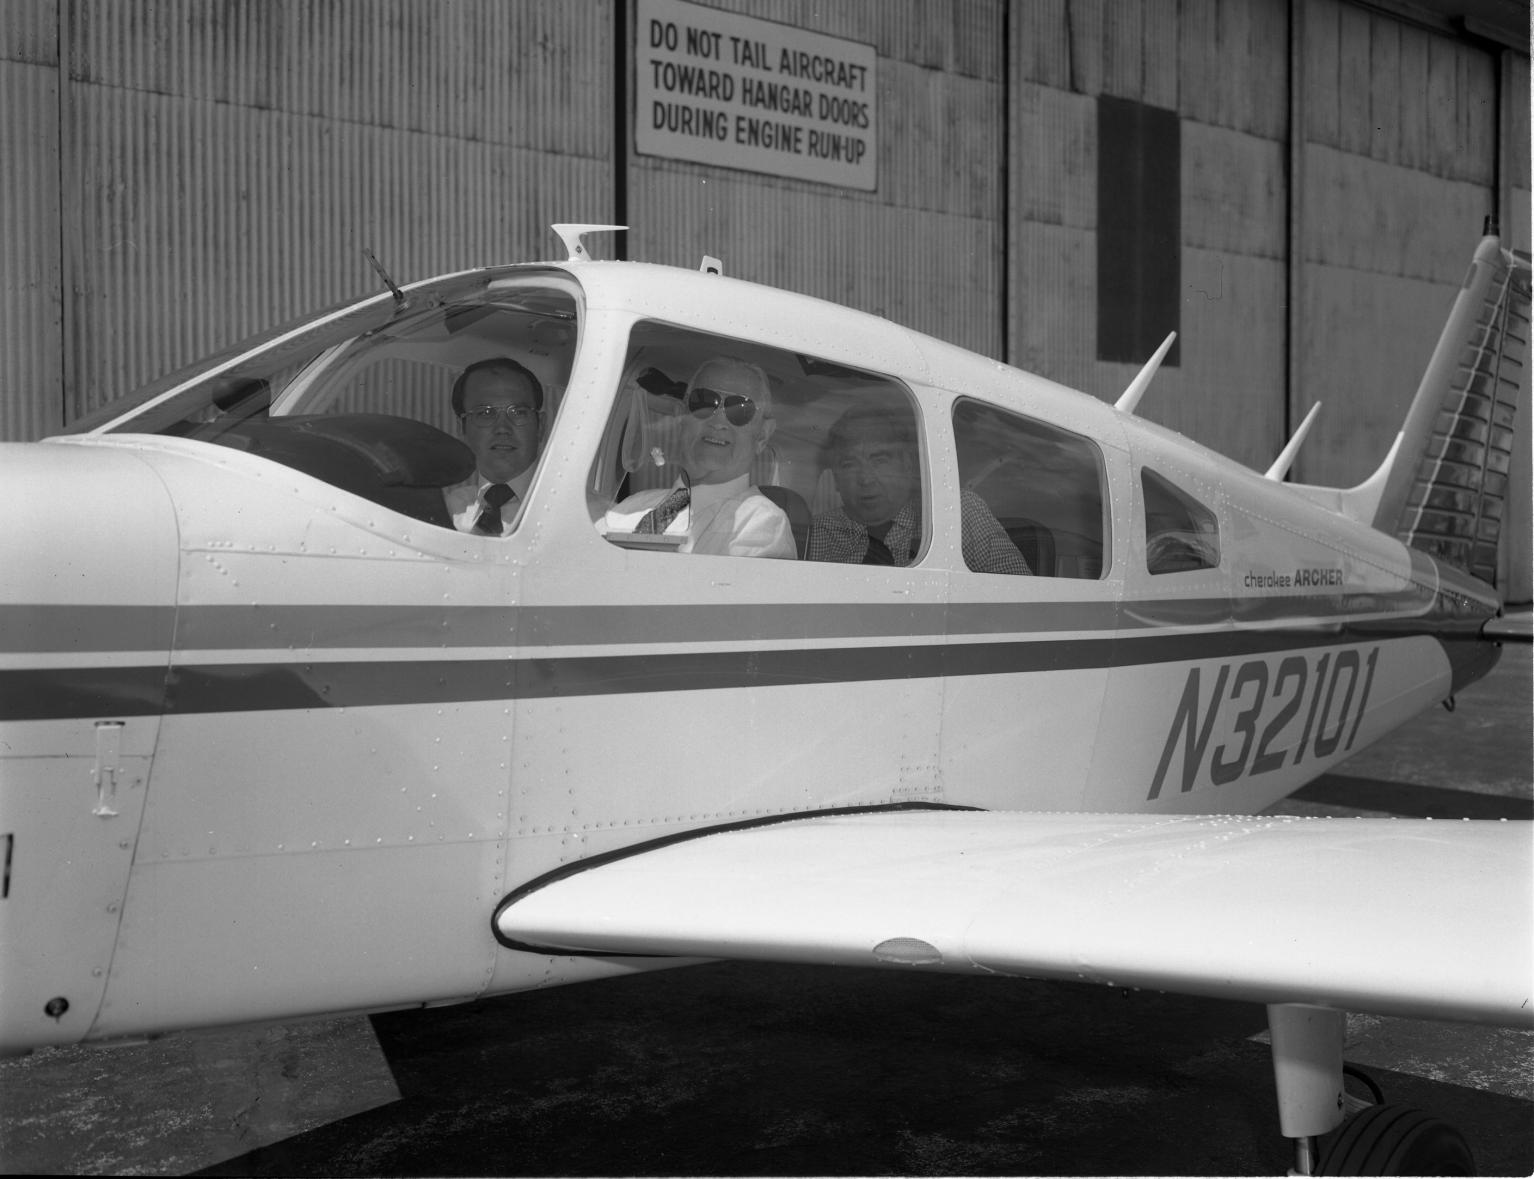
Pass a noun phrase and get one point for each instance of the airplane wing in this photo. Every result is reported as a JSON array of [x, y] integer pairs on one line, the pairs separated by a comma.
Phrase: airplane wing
[[1392, 916]]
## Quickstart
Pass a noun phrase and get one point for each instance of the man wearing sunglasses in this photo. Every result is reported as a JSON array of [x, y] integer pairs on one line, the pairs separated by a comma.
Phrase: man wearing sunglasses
[[872, 454], [499, 404], [712, 507]]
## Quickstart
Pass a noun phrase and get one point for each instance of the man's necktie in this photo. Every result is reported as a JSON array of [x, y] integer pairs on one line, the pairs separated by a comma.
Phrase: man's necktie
[[659, 518], [496, 496], [878, 552]]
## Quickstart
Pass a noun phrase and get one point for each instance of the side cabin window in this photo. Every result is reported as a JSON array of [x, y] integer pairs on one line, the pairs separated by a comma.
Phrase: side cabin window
[[1039, 487], [1181, 534], [421, 408], [724, 447]]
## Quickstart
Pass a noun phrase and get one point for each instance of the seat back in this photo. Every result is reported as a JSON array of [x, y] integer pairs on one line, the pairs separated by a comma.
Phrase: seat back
[[797, 511], [1035, 542]]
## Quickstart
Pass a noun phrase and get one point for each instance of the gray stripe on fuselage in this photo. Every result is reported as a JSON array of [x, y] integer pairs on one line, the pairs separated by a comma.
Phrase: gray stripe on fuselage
[[36, 629], [305, 684]]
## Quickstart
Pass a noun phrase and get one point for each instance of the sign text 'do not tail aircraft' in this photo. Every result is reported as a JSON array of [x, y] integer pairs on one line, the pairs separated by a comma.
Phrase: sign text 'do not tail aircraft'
[[546, 622]]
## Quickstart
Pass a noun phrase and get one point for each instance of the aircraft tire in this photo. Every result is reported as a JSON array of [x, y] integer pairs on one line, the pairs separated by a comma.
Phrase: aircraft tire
[[1395, 1140]]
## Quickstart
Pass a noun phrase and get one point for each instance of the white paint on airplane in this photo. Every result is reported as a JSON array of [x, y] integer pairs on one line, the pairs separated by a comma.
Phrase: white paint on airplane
[[278, 741]]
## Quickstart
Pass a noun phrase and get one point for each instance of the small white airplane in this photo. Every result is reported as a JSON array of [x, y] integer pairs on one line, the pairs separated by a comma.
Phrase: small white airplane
[[280, 740]]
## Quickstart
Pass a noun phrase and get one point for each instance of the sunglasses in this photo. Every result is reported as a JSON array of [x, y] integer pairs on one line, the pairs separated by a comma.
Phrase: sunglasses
[[738, 410]]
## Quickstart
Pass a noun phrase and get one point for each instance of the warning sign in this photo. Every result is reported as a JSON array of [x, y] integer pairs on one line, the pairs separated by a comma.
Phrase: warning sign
[[716, 88]]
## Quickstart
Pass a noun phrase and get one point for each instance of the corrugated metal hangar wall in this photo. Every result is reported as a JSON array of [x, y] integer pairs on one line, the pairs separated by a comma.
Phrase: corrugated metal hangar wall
[[1295, 186]]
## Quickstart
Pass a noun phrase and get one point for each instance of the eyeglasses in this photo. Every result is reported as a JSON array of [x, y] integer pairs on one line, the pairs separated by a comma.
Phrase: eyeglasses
[[486, 415], [738, 410]]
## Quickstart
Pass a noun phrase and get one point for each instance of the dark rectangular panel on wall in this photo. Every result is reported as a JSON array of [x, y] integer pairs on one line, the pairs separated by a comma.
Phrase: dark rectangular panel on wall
[[1139, 229]]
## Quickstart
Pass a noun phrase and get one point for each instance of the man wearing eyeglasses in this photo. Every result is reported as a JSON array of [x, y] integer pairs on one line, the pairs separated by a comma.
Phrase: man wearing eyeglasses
[[712, 507], [500, 405]]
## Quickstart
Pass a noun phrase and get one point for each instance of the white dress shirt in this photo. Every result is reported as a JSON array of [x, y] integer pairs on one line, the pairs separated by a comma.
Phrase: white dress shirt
[[725, 519], [466, 500]]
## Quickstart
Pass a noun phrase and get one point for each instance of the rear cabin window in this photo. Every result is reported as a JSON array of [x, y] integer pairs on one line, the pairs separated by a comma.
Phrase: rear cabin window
[[1181, 534], [727, 448], [1041, 487]]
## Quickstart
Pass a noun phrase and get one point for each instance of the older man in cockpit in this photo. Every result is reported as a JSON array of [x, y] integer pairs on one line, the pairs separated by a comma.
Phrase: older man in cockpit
[[712, 507]]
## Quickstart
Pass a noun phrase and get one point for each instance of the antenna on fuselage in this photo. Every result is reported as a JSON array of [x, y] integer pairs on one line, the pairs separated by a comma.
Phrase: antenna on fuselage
[[1280, 466], [1131, 396], [399, 295]]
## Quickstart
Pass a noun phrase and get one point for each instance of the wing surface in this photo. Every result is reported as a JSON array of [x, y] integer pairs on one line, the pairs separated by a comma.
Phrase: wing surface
[[1393, 916]]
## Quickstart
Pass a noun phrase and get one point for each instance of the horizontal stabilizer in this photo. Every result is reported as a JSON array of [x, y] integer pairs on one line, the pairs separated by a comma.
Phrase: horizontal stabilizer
[[1391, 916]]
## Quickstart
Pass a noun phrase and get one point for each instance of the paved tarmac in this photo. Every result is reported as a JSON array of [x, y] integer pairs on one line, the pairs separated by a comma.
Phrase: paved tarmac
[[746, 1069]]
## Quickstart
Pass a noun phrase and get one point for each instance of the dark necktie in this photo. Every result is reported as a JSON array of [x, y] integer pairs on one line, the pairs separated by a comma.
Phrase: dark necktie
[[496, 496], [659, 518], [878, 552]]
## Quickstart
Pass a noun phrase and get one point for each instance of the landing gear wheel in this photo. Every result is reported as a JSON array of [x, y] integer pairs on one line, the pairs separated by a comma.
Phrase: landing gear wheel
[[1395, 1140]]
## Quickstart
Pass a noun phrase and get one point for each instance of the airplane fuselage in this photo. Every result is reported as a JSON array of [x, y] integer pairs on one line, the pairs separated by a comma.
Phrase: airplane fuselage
[[273, 749]]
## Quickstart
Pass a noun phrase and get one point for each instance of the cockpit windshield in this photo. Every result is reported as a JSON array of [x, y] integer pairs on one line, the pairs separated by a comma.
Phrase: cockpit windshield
[[372, 398]]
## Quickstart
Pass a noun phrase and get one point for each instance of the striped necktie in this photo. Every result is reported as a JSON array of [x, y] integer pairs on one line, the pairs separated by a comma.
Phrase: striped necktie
[[496, 496], [659, 518]]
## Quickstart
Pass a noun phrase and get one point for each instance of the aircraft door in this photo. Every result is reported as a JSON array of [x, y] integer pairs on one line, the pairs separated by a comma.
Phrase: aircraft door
[[712, 645]]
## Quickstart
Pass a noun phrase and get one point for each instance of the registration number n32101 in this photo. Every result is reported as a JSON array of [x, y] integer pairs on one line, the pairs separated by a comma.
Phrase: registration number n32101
[[1324, 696]]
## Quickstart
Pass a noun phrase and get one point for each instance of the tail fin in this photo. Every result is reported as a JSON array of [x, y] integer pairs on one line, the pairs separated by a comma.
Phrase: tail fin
[[1444, 487]]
